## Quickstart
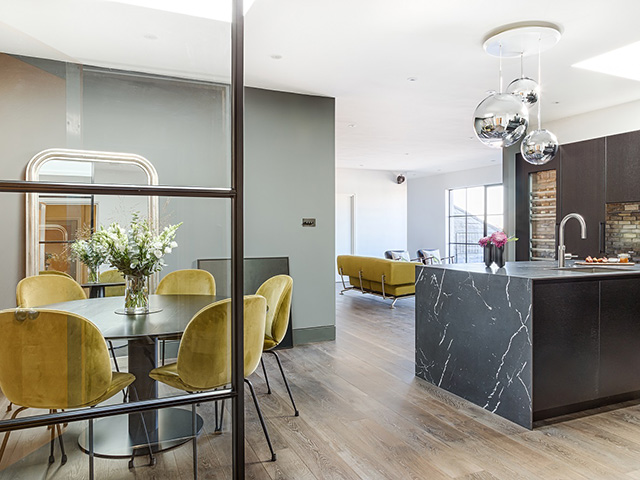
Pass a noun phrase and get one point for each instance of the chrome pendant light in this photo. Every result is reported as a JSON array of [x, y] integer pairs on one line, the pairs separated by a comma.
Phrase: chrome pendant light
[[525, 88], [539, 146], [501, 119]]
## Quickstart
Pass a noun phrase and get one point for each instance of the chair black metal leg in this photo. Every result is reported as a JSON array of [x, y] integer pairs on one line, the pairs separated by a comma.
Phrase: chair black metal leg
[[264, 425], [9, 407], [6, 435], [218, 405], [266, 378], [52, 442], [60, 439], [286, 384], [152, 459], [195, 441], [113, 354], [91, 475]]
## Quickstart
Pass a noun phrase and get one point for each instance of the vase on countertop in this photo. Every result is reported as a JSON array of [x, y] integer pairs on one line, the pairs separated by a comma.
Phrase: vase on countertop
[[488, 255], [498, 255]]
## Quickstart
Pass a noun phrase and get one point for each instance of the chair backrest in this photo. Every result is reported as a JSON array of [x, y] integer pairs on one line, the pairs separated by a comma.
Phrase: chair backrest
[[277, 290], [54, 272], [47, 289], [402, 255], [430, 254], [204, 356], [112, 276], [52, 359], [187, 282]]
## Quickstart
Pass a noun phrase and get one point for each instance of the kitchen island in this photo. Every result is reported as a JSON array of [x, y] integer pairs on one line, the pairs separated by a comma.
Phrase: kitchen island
[[529, 341]]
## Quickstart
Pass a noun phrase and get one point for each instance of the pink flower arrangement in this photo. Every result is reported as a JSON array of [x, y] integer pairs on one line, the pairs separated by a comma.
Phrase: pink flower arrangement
[[499, 239]]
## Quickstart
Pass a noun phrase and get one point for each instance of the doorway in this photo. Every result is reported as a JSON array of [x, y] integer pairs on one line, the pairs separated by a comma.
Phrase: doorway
[[345, 226]]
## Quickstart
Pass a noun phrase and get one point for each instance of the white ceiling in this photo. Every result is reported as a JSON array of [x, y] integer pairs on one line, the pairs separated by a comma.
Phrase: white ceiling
[[361, 52]]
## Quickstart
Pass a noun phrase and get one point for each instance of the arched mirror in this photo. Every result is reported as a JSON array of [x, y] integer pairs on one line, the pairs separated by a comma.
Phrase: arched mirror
[[54, 221]]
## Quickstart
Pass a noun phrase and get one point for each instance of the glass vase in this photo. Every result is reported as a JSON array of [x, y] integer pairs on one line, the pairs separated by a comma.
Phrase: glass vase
[[136, 294], [488, 255], [498, 256], [93, 274]]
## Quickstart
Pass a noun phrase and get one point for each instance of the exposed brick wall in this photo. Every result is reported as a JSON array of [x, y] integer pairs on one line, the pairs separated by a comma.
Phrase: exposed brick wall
[[622, 232]]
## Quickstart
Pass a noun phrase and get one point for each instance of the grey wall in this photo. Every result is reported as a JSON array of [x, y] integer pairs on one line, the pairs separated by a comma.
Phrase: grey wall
[[182, 128], [290, 174]]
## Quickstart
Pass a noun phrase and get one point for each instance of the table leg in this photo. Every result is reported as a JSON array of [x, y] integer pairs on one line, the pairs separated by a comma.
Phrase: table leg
[[121, 435]]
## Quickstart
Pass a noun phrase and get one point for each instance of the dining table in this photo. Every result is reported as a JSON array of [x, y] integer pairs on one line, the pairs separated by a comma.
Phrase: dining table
[[123, 435]]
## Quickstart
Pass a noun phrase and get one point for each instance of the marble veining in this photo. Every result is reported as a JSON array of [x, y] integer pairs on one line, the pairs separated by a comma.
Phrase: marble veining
[[473, 338]]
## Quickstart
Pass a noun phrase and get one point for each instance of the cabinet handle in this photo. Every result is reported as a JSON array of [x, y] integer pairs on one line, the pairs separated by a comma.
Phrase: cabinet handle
[[601, 241]]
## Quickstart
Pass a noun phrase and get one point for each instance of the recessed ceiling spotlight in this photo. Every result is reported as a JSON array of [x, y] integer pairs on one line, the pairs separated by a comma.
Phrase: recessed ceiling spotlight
[[352, 125], [556, 103], [413, 79], [150, 36], [407, 153], [276, 57]]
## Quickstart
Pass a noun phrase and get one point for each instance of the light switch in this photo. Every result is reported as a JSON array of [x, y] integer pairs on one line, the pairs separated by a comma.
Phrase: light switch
[[308, 222]]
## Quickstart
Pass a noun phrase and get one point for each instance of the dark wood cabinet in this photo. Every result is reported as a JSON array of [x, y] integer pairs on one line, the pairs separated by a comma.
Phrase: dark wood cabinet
[[565, 344], [581, 189], [623, 167], [619, 333]]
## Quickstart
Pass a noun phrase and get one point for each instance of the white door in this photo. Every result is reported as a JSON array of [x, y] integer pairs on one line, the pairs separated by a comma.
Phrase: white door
[[345, 226]]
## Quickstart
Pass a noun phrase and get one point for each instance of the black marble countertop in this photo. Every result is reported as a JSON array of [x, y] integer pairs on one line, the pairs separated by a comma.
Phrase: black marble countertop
[[542, 270]]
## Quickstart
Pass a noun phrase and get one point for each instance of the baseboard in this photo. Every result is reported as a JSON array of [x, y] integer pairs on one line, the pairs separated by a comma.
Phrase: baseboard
[[314, 334]]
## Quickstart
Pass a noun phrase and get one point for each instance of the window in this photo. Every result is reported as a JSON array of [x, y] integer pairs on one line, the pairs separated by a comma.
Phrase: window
[[473, 213]]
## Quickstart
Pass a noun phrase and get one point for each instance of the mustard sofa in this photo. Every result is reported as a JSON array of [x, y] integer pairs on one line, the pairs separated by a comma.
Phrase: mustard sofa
[[378, 276]]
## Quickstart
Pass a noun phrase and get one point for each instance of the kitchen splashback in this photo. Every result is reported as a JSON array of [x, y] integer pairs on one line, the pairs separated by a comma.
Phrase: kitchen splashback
[[622, 232]]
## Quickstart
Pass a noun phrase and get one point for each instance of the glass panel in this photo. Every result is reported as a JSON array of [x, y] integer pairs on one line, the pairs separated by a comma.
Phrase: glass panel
[[475, 228], [457, 229], [494, 223], [495, 202], [475, 201], [475, 254], [458, 201], [204, 233]]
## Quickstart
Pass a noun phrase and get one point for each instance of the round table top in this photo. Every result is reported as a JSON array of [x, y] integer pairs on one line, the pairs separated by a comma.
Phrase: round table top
[[177, 311]]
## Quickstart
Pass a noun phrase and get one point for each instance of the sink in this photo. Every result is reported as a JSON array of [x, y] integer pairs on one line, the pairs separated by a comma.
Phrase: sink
[[591, 269]]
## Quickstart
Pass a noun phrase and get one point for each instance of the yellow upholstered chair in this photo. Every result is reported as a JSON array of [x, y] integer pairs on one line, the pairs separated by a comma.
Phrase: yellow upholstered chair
[[185, 282], [47, 289], [55, 360], [204, 357], [277, 290], [112, 276], [54, 272]]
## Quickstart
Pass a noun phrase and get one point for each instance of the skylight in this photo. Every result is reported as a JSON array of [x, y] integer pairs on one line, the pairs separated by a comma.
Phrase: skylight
[[620, 62], [211, 9]]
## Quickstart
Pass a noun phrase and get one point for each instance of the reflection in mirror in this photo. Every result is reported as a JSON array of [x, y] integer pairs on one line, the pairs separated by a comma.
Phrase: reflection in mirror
[[55, 221]]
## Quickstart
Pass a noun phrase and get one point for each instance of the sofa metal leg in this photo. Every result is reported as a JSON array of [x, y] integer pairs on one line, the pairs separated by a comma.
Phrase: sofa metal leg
[[393, 304]]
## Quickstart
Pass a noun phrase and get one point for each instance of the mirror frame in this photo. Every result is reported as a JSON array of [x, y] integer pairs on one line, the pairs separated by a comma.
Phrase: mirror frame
[[32, 233]]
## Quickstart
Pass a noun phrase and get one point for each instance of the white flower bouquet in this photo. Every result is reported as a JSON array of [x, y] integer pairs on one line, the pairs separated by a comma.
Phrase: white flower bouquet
[[92, 252], [137, 252]]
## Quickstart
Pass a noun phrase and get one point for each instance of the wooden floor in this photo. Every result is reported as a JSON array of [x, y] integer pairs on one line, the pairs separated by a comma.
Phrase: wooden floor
[[365, 416]]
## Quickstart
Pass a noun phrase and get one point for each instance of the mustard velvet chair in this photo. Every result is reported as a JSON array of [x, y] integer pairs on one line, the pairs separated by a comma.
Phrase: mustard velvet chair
[[204, 356], [112, 276], [54, 272], [185, 282], [47, 289], [277, 290], [37, 369]]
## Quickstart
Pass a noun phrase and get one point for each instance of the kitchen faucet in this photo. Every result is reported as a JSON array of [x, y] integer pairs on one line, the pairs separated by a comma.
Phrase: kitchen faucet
[[583, 234]]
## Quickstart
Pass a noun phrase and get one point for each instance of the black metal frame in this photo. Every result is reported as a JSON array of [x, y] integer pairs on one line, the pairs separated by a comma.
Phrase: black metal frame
[[236, 195]]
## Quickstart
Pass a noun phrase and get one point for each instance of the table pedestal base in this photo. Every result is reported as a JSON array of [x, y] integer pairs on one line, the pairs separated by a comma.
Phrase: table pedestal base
[[111, 438]]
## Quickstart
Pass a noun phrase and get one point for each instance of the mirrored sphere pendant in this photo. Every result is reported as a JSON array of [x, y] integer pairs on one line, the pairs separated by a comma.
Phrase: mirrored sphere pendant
[[539, 147], [500, 120], [526, 89]]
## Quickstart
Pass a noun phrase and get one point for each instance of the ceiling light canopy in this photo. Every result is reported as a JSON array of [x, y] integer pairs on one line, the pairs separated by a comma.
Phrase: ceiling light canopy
[[212, 9], [620, 62]]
